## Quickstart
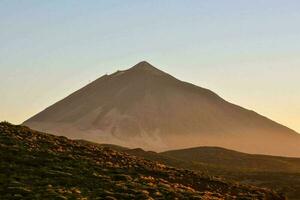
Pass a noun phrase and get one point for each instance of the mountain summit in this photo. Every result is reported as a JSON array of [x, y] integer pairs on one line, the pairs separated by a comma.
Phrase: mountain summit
[[146, 107], [145, 66]]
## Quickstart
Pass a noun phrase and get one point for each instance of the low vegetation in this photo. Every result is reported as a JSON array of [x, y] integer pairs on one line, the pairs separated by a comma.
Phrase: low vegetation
[[277, 173], [36, 165]]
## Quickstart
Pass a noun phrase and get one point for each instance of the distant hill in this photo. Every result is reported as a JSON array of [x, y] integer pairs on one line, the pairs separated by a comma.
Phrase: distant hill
[[278, 173], [36, 165], [148, 108], [236, 160]]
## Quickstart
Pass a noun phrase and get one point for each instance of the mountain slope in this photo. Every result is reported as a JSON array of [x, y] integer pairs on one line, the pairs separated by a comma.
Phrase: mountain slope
[[236, 160], [35, 165], [145, 107], [278, 173], [274, 172]]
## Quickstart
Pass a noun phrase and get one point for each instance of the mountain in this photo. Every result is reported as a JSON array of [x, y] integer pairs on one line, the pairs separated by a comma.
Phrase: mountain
[[148, 108], [36, 165]]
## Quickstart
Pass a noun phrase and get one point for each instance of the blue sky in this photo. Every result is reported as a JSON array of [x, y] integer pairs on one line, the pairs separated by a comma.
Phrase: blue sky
[[247, 51]]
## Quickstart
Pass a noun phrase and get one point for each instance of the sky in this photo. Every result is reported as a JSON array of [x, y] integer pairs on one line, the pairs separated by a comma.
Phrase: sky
[[247, 51]]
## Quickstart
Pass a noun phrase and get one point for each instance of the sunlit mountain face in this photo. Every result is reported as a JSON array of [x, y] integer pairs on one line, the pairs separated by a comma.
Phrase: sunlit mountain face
[[148, 108]]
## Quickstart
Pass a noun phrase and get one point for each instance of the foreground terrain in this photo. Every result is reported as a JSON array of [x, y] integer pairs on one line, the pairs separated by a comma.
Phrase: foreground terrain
[[35, 165], [278, 173]]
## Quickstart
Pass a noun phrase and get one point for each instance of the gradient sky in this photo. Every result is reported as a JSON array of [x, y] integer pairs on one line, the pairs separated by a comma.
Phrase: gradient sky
[[247, 51]]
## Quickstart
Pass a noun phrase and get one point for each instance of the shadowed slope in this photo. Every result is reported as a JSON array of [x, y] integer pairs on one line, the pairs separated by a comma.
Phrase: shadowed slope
[[145, 107], [278, 173], [236, 160], [35, 165]]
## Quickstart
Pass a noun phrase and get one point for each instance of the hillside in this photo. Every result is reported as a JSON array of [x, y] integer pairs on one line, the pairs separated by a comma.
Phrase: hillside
[[236, 160], [36, 165], [148, 108], [278, 173]]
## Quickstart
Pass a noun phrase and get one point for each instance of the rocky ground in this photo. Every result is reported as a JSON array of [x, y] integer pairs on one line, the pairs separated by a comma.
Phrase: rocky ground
[[36, 165]]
